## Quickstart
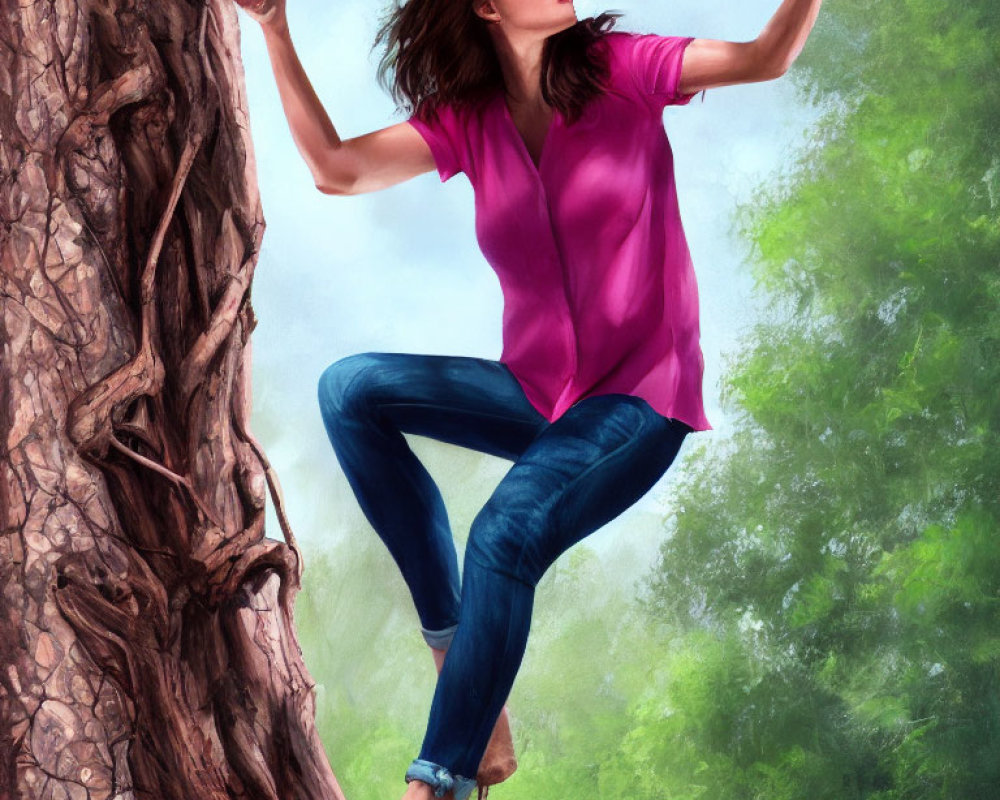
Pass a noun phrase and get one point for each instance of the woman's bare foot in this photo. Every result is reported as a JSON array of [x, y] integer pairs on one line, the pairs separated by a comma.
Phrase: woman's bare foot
[[498, 762]]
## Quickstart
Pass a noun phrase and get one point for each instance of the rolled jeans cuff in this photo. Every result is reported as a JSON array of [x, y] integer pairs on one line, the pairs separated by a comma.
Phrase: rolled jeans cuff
[[439, 640], [440, 779]]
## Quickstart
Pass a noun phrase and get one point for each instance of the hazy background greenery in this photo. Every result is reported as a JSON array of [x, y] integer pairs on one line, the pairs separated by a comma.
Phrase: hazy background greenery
[[822, 621]]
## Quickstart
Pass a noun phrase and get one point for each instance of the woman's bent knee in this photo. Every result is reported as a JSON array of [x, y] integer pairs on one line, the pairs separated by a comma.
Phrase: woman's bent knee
[[504, 540], [343, 386]]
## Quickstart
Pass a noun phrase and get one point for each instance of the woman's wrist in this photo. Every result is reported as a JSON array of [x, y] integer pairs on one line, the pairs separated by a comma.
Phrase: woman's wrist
[[278, 26]]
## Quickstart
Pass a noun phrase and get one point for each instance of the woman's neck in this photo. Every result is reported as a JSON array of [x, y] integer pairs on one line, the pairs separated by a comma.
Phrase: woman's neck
[[521, 66]]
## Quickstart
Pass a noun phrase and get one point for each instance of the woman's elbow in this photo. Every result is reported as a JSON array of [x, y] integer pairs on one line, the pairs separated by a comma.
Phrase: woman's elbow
[[342, 189], [336, 175], [771, 74], [763, 64], [339, 182]]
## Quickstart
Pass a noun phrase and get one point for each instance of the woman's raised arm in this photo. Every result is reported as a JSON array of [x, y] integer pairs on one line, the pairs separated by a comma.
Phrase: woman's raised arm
[[710, 63], [374, 161], [365, 163]]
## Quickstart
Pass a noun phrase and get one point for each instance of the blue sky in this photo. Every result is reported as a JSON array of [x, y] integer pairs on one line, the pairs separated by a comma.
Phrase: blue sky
[[400, 270]]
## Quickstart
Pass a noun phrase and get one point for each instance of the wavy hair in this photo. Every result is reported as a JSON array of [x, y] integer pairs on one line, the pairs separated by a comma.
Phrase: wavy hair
[[440, 52]]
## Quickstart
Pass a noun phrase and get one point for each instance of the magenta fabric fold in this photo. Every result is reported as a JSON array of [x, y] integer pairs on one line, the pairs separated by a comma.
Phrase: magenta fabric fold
[[600, 294]]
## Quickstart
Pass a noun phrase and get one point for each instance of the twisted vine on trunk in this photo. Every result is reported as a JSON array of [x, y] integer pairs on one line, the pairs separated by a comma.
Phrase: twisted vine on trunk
[[147, 646]]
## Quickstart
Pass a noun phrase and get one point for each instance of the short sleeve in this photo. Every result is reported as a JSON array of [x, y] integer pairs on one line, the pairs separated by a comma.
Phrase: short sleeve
[[655, 63], [443, 135]]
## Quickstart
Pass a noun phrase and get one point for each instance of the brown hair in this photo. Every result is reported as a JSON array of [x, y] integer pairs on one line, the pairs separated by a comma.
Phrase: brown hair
[[440, 52]]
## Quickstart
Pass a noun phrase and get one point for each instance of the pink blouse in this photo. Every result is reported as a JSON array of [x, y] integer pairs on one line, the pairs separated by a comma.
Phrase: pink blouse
[[599, 290]]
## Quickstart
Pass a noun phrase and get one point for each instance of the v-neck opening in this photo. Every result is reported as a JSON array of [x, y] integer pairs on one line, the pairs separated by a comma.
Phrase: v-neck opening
[[546, 140]]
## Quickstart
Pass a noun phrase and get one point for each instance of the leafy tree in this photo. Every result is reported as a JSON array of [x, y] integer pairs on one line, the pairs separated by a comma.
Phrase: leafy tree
[[843, 551]]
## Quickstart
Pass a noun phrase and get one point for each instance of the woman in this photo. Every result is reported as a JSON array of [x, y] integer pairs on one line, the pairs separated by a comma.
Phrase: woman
[[557, 123]]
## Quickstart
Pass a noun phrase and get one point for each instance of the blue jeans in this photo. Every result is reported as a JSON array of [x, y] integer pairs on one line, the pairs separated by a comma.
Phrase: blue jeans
[[568, 479]]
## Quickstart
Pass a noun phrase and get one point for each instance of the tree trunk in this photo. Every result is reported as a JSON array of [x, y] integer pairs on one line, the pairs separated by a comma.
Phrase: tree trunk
[[147, 646]]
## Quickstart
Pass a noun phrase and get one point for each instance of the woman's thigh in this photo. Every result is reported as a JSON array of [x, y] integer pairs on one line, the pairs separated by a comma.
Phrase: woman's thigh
[[471, 402], [579, 473]]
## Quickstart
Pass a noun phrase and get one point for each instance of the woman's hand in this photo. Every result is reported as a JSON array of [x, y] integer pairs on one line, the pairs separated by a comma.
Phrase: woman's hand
[[270, 13]]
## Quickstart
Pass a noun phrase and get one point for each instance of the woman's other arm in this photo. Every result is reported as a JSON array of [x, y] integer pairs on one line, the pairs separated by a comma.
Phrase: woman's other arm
[[366, 163], [710, 63]]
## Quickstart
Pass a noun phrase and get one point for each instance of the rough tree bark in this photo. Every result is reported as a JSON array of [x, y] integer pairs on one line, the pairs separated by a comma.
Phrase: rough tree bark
[[147, 646]]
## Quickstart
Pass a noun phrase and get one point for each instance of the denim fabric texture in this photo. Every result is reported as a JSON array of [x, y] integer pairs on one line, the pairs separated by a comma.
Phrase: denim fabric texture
[[440, 778], [568, 478]]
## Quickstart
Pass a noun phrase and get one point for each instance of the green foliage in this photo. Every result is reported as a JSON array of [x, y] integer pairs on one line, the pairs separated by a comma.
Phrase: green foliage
[[849, 536]]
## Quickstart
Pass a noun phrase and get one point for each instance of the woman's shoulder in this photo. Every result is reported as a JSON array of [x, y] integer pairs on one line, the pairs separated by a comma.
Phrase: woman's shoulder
[[615, 49], [646, 63], [628, 45], [625, 44], [459, 111], [616, 41]]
